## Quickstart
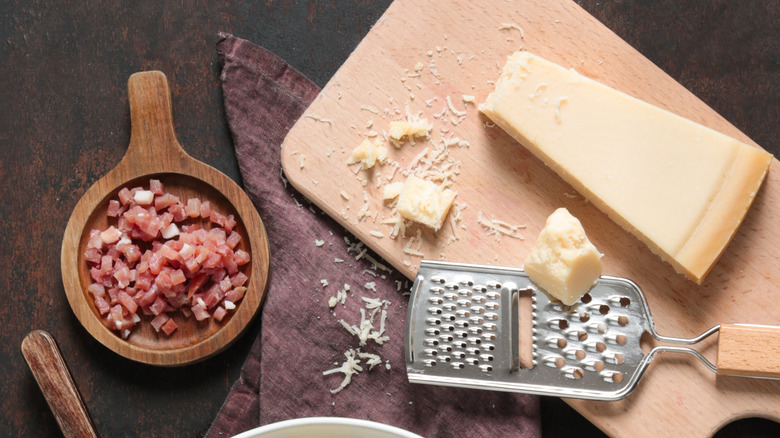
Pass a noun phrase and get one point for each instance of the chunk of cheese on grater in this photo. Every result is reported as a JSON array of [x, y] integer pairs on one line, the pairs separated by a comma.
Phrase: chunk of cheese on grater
[[424, 201], [563, 261], [681, 188]]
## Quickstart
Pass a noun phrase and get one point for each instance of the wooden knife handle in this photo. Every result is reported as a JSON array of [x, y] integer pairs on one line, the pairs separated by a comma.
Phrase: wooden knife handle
[[47, 365], [749, 350]]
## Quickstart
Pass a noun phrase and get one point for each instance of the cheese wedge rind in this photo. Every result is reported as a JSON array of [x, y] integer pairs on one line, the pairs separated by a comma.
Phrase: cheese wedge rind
[[680, 187]]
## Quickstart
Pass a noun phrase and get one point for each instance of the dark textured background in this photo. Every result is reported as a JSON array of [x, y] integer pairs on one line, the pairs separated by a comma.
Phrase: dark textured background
[[64, 122]]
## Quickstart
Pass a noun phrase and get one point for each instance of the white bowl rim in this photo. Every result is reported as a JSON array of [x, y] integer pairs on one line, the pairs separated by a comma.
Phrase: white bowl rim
[[340, 421]]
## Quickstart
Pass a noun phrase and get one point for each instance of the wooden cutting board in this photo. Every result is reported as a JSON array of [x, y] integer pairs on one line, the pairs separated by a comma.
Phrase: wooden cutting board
[[419, 54]]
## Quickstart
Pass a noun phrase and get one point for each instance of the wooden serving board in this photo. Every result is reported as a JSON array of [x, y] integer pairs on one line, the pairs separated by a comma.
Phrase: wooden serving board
[[466, 43]]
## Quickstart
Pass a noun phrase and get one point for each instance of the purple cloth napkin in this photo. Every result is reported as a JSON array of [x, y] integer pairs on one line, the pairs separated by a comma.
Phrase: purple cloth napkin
[[312, 259]]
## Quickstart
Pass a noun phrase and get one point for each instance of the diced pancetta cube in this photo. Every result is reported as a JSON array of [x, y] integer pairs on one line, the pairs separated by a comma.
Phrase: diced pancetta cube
[[169, 327], [219, 313], [193, 207], [111, 235], [156, 186], [159, 320]]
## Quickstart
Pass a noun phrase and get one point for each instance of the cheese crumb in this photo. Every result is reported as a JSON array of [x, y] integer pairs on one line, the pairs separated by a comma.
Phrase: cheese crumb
[[368, 153], [424, 202]]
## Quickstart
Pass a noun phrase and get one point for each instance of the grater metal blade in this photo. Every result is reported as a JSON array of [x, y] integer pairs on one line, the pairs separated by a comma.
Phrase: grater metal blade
[[462, 330]]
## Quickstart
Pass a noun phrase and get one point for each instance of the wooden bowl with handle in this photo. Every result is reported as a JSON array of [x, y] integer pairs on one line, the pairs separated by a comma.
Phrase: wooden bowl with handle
[[154, 153]]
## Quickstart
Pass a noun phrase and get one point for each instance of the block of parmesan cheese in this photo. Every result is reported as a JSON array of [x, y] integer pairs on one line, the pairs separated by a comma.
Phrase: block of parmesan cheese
[[424, 202], [681, 188], [563, 261]]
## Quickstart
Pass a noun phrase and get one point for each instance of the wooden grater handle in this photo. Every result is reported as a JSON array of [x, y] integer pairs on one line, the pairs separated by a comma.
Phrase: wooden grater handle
[[749, 350], [47, 365]]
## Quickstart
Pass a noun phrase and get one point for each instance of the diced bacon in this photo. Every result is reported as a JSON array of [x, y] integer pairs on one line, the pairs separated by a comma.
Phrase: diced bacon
[[111, 235], [219, 313], [158, 306], [217, 236], [94, 240], [177, 300], [132, 253], [213, 261], [191, 265], [213, 296], [218, 276], [230, 223], [156, 186], [113, 295], [230, 264], [158, 258], [168, 252], [164, 201], [106, 264], [114, 208], [127, 302], [116, 315], [217, 218], [143, 197], [241, 257], [238, 279], [205, 209], [200, 312], [170, 231], [125, 197], [148, 297], [102, 305], [169, 327], [196, 283], [235, 294], [178, 277], [178, 212], [97, 290], [225, 284], [193, 207], [186, 251], [159, 320], [156, 263], [232, 240], [122, 276], [93, 255]]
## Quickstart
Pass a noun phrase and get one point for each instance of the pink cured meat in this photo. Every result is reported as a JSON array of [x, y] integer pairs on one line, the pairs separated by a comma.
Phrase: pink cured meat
[[169, 327], [159, 320], [135, 270]]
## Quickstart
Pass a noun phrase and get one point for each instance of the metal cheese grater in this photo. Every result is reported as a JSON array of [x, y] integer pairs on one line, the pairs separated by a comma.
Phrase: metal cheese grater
[[463, 323]]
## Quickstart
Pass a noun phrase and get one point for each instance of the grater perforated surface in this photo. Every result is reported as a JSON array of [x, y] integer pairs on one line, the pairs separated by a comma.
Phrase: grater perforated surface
[[463, 324]]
